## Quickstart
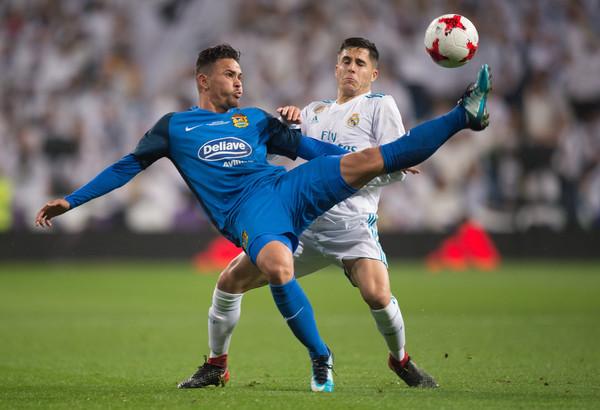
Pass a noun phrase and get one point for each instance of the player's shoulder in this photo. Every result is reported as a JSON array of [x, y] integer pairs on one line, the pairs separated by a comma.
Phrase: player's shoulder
[[191, 113], [163, 123], [250, 110], [378, 100], [374, 96], [318, 106]]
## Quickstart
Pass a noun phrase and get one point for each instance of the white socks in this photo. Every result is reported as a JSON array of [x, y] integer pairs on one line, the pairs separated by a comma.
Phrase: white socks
[[391, 326], [223, 315]]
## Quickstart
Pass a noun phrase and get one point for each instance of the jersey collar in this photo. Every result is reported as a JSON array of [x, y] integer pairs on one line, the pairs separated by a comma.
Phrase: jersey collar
[[335, 103]]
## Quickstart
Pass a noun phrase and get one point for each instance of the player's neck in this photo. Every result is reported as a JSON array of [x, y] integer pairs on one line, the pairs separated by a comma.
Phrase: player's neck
[[342, 98], [208, 105]]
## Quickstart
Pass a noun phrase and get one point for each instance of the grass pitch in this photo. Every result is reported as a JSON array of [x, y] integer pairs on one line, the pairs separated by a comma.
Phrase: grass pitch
[[122, 335]]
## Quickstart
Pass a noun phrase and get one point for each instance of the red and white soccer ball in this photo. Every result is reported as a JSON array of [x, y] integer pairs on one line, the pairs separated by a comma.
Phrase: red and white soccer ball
[[451, 40]]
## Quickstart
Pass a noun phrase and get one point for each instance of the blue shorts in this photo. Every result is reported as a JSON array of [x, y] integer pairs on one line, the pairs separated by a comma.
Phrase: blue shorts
[[289, 204]]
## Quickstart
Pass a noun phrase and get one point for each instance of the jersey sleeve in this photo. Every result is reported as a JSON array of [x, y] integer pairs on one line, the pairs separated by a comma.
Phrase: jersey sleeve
[[304, 120], [282, 140], [154, 144], [310, 148], [387, 121], [113, 177]]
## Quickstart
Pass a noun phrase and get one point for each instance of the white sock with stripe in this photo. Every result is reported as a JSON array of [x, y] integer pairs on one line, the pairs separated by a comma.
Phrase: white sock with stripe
[[391, 326], [223, 315]]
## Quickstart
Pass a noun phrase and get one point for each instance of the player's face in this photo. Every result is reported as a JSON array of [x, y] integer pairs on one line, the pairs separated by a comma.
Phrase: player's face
[[223, 84], [354, 72]]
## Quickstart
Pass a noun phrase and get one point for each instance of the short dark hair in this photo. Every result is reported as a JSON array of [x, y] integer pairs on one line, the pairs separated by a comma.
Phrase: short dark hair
[[212, 54], [359, 42]]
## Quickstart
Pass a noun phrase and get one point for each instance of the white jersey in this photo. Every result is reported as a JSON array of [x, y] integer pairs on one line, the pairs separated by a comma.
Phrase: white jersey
[[349, 229], [368, 120]]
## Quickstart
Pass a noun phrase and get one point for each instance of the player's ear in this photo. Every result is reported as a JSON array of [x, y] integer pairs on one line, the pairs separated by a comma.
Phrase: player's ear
[[374, 74], [337, 65], [202, 81]]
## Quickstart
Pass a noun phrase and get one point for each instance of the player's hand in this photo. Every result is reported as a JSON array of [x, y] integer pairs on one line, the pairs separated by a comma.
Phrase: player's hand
[[413, 171], [49, 211], [290, 114]]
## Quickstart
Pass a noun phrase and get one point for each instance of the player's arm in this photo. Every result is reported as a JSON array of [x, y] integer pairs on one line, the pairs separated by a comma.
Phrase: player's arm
[[152, 146], [315, 149], [310, 148], [114, 176], [290, 115], [287, 141]]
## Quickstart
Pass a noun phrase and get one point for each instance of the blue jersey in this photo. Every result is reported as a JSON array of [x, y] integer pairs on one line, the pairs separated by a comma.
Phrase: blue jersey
[[223, 159], [221, 156]]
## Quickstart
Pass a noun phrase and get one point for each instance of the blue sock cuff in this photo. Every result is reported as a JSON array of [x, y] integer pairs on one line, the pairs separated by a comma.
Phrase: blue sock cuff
[[460, 116]]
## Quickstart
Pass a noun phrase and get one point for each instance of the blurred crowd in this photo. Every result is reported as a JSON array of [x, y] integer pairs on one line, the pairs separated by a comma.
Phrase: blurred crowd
[[82, 80]]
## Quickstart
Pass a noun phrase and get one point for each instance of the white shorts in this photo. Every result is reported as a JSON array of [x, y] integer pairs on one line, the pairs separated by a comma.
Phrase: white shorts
[[327, 242]]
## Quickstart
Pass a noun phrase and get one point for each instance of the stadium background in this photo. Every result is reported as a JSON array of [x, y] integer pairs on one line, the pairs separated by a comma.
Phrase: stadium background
[[81, 81]]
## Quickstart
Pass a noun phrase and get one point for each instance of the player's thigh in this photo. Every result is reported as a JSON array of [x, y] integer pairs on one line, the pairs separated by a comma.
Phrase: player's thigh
[[313, 188], [372, 279], [264, 213], [240, 276], [358, 168]]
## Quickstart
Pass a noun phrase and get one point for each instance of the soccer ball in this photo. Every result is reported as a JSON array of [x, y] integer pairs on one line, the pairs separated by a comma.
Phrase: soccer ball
[[451, 40]]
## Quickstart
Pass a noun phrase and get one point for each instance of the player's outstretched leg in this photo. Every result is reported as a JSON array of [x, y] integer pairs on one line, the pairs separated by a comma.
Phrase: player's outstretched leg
[[208, 374], [408, 371], [422, 141]]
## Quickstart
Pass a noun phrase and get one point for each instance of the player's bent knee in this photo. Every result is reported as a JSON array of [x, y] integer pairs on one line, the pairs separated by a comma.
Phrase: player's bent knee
[[277, 273], [376, 299], [276, 261], [278, 269]]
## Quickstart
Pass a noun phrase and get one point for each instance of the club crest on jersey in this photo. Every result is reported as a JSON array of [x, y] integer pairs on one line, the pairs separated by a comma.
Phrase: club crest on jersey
[[224, 148], [244, 240], [353, 120], [239, 120]]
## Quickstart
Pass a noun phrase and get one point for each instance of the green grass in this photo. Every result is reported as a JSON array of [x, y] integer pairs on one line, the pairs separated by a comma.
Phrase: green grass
[[122, 336]]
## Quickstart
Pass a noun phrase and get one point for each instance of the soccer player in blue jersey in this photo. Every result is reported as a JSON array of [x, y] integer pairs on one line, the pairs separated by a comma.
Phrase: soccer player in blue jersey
[[220, 151], [346, 235]]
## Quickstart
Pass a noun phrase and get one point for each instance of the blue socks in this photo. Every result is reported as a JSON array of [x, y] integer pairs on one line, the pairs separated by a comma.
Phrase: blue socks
[[421, 142], [298, 313]]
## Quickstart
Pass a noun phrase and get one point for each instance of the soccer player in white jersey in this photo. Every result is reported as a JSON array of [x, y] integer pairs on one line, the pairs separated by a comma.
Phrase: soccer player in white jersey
[[346, 235]]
